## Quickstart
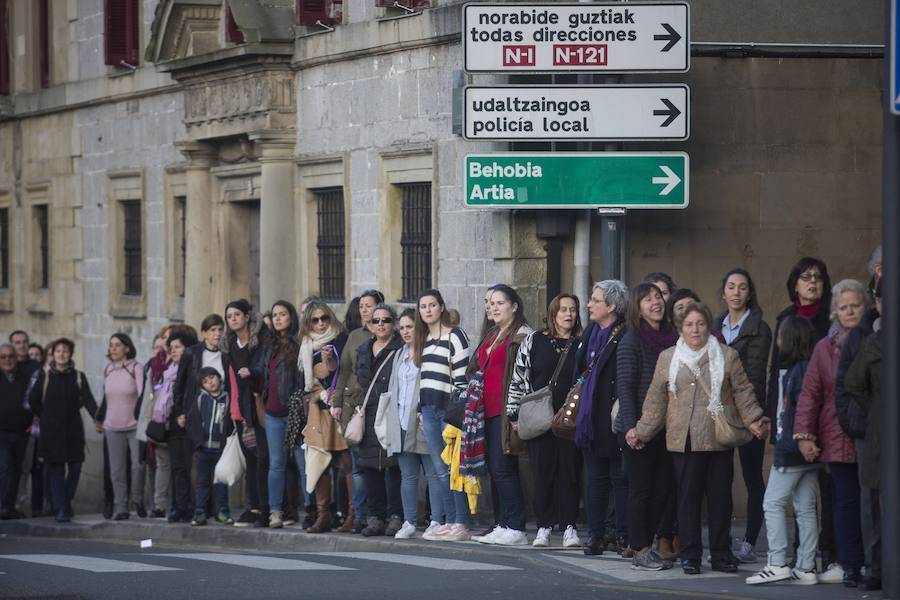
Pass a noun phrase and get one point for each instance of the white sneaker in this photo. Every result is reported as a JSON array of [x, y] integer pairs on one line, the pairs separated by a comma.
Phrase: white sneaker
[[570, 538], [432, 527], [512, 537], [458, 533], [491, 538], [438, 534], [833, 574], [800, 577], [542, 539], [770, 574], [406, 531]]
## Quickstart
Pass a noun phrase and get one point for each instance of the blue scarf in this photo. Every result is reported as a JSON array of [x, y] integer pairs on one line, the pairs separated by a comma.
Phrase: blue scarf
[[584, 423]]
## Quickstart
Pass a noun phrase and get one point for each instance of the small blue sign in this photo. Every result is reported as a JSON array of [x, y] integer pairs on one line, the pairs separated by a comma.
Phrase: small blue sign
[[895, 57]]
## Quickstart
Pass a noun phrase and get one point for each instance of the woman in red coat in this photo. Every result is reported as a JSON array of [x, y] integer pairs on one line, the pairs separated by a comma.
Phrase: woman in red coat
[[820, 434]]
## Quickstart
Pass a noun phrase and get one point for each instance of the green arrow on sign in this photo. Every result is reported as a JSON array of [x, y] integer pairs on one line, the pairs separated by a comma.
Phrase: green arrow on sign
[[577, 180]]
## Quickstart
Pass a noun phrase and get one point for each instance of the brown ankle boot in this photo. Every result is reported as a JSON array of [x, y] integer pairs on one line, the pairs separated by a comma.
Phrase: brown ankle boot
[[350, 519], [323, 505], [666, 551]]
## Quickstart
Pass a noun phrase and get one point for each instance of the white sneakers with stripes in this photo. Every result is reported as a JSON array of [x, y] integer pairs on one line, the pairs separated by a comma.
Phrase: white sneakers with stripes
[[770, 574]]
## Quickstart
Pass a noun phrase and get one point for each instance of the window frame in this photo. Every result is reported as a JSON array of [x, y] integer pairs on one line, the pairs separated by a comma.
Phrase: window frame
[[331, 237], [124, 18], [416, 239]]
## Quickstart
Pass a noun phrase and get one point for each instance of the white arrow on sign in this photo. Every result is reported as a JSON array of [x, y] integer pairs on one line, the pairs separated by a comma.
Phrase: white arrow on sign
[[670, 180]]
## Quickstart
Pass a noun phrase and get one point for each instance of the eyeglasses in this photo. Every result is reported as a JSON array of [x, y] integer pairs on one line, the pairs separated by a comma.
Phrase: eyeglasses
[[382, 320], [322, 319], [7, 356], [813, 277]]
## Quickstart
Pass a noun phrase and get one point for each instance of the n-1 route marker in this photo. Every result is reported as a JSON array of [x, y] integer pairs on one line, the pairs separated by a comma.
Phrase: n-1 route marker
[[572, 112], [600, 37], [577, 180]]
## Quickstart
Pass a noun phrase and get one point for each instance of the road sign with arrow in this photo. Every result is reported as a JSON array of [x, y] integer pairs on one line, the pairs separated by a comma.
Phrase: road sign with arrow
[[571, 112], [577, 180], [600, 37]]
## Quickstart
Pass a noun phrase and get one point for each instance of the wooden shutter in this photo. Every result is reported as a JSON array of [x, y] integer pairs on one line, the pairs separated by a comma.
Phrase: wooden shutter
[[232, 33], [44, 42], [328, 12], [122, 31], [4, 49]]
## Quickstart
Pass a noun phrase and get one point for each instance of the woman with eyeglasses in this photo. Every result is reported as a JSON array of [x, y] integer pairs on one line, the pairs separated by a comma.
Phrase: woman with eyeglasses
[[809, 290], [374, 360], [322, 339], [347, 397], [441, 352], [742, 327], [57, 397]]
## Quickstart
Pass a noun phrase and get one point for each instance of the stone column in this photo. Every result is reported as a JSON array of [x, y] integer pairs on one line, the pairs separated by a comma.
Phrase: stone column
[[278, 240], [199, 232]]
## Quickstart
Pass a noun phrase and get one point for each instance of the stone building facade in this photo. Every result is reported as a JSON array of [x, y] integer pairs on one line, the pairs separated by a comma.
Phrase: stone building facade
[[247, 155]]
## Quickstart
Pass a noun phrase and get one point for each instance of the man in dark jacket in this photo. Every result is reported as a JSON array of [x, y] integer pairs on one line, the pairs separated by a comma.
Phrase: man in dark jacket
[[15, 421]]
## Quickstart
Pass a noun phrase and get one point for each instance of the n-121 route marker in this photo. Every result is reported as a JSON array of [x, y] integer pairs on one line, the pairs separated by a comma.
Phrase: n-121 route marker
[[602, 37], [571, 112]]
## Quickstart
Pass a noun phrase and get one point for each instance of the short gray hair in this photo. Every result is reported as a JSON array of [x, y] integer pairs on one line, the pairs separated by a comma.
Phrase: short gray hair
[[7, 345], [874, 260], [615, 293], [846, 285]]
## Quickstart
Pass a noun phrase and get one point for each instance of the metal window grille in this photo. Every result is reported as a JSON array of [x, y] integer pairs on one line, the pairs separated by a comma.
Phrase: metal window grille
[[181, 245], [131, 213], [330, 243], [415, 239], [41, 215], [4, 248]]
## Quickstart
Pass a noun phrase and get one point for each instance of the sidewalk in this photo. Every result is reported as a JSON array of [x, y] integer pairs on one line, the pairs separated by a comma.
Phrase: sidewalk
[[607, 572]]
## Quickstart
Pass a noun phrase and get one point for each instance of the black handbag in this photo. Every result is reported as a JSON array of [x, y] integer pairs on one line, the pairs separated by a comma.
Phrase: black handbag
[[157, 432]]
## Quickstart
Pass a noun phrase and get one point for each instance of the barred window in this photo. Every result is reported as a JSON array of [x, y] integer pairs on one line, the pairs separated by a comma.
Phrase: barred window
[[330, 243], [415, 239], [131, 215], [41, 218], [4, 248], [180, 245]]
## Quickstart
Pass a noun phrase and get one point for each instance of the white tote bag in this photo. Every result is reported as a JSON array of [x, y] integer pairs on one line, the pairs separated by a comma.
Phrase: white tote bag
[[231, 465]]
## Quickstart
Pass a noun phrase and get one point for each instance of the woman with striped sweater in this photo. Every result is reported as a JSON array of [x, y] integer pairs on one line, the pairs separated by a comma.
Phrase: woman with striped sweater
[[442, 354]]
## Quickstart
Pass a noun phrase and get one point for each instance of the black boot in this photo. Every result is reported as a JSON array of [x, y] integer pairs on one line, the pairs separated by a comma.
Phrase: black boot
[[594, 546]]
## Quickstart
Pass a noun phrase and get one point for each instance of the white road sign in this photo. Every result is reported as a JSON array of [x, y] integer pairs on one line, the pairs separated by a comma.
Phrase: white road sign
[[572, 112], [602, 37]]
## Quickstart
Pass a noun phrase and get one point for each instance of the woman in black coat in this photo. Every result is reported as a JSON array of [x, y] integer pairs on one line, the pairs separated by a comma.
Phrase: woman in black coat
[[593, 433], [374, 360], [57, 398], [742, 327]]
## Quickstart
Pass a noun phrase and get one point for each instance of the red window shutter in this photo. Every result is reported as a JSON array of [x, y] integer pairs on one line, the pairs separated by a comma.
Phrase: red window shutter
[[4, 50], [122, 31], [44, 42], [327, 12], [413, 4], [232, 33]]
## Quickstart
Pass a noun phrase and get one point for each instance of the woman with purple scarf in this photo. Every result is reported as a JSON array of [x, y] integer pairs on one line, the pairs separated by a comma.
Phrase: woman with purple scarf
[[596, 355], [651, 484]]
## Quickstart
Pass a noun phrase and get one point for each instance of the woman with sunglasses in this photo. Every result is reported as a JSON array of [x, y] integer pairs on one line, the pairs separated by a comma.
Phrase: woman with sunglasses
[[322, 340], [347, 397], [374, 361]]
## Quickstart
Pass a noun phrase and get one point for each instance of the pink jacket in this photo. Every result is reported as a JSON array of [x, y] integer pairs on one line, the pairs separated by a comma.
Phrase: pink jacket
[[816, 409]]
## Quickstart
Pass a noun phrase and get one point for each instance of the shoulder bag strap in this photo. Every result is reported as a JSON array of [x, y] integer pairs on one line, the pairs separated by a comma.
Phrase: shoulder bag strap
[[559, 365], [375, 378]]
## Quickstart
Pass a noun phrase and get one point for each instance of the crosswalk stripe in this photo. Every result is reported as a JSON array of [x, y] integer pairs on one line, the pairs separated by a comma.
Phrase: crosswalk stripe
[[623, 572], [443, 564], [87, 563], [267, 563]]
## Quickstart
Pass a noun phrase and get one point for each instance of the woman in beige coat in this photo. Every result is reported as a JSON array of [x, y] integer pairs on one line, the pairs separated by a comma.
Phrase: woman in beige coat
[[693, 381]]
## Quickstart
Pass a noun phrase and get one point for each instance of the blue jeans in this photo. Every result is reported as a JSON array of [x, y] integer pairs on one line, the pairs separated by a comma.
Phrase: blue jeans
[[359, 487], [504, 471], [605, 474], [63, 485], [12, 454], [447, 506], [800, 486], [409, 484], [300, 458], [205, 460], [275, 427]]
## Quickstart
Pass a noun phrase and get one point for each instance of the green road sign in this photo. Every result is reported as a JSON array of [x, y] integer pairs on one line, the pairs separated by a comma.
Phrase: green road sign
[[577, 180]]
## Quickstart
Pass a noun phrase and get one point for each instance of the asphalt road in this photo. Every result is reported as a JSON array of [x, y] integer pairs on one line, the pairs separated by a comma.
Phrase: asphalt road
[[72, 569]]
